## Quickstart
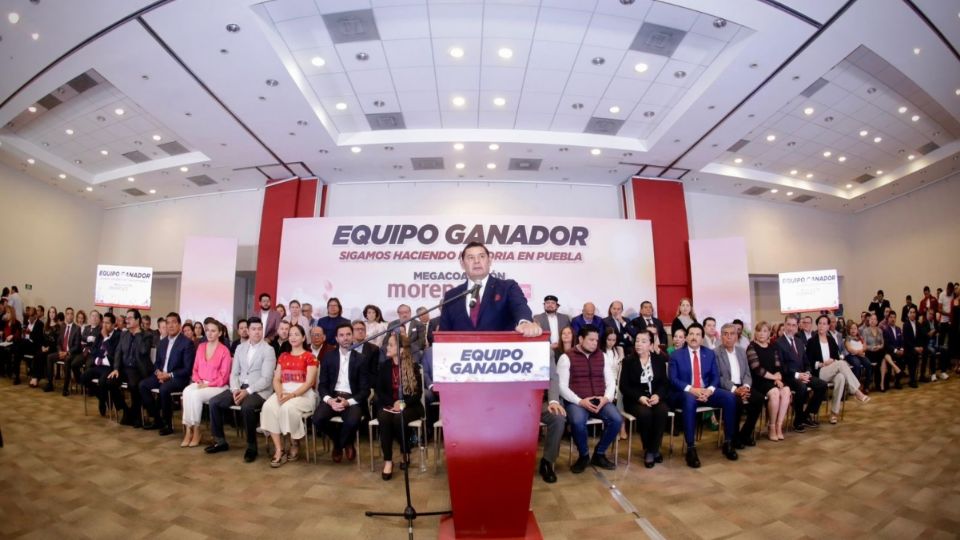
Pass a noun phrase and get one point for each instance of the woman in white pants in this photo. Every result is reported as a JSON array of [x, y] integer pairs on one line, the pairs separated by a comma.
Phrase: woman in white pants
[[211, 374], [824, 354], [293, 398]]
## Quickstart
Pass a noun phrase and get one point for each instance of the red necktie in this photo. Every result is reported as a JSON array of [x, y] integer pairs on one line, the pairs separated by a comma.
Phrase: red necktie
[[696, 370], [475, 313]]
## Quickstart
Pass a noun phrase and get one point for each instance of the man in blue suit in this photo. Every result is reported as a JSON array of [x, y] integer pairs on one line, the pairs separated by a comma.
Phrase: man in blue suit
[[498, 306], [695, 379], [172, 371]]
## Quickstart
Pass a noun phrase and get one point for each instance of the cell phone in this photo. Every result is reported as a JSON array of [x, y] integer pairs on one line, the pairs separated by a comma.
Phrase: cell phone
[[595, 401]]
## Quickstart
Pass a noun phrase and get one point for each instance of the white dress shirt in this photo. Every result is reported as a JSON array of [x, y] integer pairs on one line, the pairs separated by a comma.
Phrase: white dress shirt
[[700, 356], [735, 377], [483, 287], [166, 359], [343, 378], [609, 379], [554, 328]]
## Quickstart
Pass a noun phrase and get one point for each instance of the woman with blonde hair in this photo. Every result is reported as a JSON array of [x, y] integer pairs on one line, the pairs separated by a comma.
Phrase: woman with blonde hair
[[685, 316], [768, 379]]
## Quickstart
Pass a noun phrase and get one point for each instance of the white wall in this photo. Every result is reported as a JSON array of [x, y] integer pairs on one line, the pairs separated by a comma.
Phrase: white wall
[[153, 234], [50, 242], [427, 198]]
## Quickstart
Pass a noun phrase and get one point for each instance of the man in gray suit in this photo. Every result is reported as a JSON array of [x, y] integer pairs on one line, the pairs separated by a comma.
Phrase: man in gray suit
[[735, 377], [555, 417], [550, 321], [251, 383], [416, 331]]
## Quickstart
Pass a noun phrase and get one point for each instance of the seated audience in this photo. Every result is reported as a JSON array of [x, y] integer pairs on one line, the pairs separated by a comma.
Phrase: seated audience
[[679, 340], [856, 355], [413, 328], [893, 345], [296, 315], [616, 321], [809, 390], [172, 370], [736, 378], [10, 335], [613, 353], [588, 386], [103, 361], [331, 321], [251, 384], [398, 394], [552, 321], [768, 378], [373, 319], [554, 417], [132, 366], [307, 311], [647, 320], [644, 386], [875, 350], [268, 316], [742, 340], [565, 343], [243, 334], [823, 354], [878, 305], [913, 342], [32, 340], [211, 375], [711, 337], [293, 399], [685, 316], [67, 350], [282, 344], [317, 340], [342, 386], [931, 349], [587, 316], [695, 381]]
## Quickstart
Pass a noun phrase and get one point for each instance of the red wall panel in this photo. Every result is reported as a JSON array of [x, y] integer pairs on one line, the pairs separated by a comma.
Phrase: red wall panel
[[663, 203], [279, 202]]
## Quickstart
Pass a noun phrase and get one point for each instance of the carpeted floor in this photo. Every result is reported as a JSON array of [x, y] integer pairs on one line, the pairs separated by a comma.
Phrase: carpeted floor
[[890, 469]]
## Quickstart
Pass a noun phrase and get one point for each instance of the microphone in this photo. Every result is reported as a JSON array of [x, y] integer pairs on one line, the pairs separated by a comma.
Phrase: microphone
[[474, 294]]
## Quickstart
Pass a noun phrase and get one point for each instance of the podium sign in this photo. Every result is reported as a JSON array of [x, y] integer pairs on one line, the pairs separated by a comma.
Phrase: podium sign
[[491, 394]]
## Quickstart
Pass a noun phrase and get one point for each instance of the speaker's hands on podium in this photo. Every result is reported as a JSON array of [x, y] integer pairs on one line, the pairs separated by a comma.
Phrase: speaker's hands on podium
[[529, 329]]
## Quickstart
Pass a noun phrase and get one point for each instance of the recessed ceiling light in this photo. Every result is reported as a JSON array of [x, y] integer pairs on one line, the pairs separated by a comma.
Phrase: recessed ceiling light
[[460, 165], [641, 67], [32, 109], [648, 114], [379, 103], [911, 157], [738, 160], [719, 23], [157, 137], [808, 111], [595, 151], [104, 152], [879, 172], [789, 194], [849, 186], [774, 190], [458, 101], [184, 169], [356, 149], [793, 172], [458, 146], [771, 137], [13, 17], [494, 146], [598, 61], [362, 56], [341, 106], [841, 159], [827, 153], [916, 50], [614, 110], [77, 162], [864, 133], [318, 61], [34, 36], [68, 131], [271, 82], [505, 53], [576, 106], [902, 109], [118, 111], [62, 176], [233, 28], [499, 101], [915, 117], [89, 188], [877, 139], [679, 74], [153, 192], [131, 179], [456, 52], [31, 161], [809, 176], [491, 165]]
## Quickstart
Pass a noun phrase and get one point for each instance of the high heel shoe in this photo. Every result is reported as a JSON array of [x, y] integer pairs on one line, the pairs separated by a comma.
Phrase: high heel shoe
[[772, 433], [780, 433], [387, 475], [186, 438]]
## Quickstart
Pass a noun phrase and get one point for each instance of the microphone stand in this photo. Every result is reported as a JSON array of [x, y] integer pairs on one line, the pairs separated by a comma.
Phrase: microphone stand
[[409, 512]]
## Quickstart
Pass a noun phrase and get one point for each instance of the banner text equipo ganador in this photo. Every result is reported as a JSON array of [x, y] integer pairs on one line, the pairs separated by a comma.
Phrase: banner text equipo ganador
[[396, 234]]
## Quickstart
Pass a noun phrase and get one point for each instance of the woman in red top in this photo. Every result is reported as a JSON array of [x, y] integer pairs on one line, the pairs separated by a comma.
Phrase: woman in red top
[[293, 400]]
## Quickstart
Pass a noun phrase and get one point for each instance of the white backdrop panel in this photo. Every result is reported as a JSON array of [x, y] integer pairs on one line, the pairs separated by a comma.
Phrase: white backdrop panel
[[721, 282]]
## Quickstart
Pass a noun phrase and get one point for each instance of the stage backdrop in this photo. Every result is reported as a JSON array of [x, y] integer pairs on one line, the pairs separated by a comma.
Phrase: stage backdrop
[[207, 282], [388, 261], [721, 283]]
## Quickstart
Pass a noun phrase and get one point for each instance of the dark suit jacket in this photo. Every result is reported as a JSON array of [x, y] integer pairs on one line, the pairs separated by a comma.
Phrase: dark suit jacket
[[384, 387], [181, 357], [681, 373], [358, 373], [417, 335], [370, 354], [639, 323], [75, 341], [112, 343], [893, 339], [502, 308], [792, 362], [37, 338], [630, 386], [878, 307], [815, 355], [911, 339], [676, 325], [133, 355], [431, 328], [623, 337]]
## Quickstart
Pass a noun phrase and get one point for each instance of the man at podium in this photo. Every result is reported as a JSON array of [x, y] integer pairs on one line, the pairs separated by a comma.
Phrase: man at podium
[[497, 305]]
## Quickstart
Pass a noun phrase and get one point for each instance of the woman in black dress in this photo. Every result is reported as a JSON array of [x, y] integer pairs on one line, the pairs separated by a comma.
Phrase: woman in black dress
[[397, 403], [643, 385], [768, 379]]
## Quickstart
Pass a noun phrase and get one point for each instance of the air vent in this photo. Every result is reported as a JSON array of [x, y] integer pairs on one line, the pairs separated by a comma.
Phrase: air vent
[[656, 39], [173, 148], [863, 178], [735, 147], [136, 156], [380, 121], [524, 164], [755, 191], [348, 26], [202, 180], [927, 148], [603, 126], [427, 163], [48, 101], [802, 198], [83, 82], [814, 88], [134, 191]]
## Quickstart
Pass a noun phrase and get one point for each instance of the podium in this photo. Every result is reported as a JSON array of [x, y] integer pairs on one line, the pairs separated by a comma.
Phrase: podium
[[491, 394]]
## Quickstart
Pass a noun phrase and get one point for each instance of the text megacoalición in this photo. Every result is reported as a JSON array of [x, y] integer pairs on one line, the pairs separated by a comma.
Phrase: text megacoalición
[[398, 234]]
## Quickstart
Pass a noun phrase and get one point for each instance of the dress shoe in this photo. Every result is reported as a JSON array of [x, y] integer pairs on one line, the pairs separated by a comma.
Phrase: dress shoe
[[48, 388], [65, 393], [386, 475], [799, 428], [102, 406], [738, 444], [751, 441], [165, 430], [914, 384], [649, 460], [600, 460], [729, 451], [350, 453], [250, 455], [337, 455], [217, 447], [128, 419], [580, 464], [811, 423], [547, 472], [693, 461], [658, 457], [153, 425]]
